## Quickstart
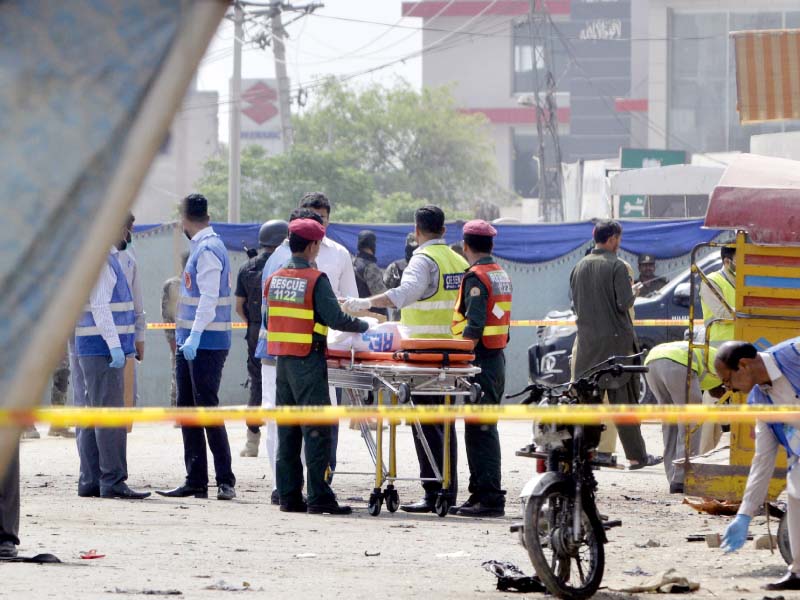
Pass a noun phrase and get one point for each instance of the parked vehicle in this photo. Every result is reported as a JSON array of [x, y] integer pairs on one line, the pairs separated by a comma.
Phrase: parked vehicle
[[562, 530], [549, 357]]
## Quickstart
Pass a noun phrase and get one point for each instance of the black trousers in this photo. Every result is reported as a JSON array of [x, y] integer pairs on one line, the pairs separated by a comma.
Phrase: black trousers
[[303, 381], [253, 370], [9, 500], [434, 435], [482, 439], [198, 385]]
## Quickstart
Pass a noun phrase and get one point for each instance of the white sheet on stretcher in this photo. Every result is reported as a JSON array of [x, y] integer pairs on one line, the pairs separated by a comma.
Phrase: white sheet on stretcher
[[380, 337]]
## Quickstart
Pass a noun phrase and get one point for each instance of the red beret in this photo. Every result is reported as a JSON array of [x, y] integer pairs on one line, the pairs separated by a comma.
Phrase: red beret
[[308, 229], [479, 227]]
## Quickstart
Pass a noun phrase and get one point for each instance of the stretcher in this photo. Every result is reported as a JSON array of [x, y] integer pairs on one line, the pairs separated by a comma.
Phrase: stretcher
[[419, 368]]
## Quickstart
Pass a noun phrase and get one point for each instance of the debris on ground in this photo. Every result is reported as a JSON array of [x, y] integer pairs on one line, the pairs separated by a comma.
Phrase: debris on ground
[[368, 553], [766, 542], [224, 586], [91, 554], [637, 571], [145, 592], [649, 544], [458, 554], [511, 579], [665, 582], [712, 506], [305, 555]]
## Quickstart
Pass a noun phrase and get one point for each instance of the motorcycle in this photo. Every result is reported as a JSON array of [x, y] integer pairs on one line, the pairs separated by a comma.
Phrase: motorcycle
[[562, 529]]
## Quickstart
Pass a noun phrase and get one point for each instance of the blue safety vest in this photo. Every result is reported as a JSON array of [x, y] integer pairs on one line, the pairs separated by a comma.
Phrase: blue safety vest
[[787, 358], [88, 341], [217, 334]]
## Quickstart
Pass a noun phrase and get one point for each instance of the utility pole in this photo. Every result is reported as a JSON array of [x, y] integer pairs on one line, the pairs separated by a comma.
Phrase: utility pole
[[235, 123], [279, 52], [550, 200]]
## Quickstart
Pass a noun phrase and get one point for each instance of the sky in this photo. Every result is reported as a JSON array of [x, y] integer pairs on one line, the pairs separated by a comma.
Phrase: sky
[[321, 44]]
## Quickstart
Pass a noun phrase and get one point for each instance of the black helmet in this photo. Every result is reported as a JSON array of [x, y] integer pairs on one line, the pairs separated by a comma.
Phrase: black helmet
[[272, 233]]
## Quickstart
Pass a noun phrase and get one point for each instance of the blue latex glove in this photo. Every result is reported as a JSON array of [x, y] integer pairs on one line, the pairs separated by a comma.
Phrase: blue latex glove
[[736, 533], [117, 358], [189, 348]]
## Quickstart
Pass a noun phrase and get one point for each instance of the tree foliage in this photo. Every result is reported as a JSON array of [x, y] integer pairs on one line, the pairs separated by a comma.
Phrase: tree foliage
[[377, 154]]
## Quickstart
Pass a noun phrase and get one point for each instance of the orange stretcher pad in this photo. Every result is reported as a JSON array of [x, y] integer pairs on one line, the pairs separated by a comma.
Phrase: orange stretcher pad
[[420, 352]]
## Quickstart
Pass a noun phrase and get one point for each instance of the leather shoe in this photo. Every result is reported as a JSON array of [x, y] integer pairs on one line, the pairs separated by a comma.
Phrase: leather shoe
[[454, 509], [676, 488], [89, 493], [275, 498], [294, 507], [334, 508], [649, 461], [8, 549], [790, 581], [481, 510], [423, 506], [125, 493], [184, 491], [226, 492]]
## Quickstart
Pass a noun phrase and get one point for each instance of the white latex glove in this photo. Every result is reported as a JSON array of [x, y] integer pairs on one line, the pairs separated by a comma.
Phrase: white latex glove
[[354, 305]]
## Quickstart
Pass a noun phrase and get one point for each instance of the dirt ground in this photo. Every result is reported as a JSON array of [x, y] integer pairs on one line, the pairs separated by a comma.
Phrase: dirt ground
[[188, 545]]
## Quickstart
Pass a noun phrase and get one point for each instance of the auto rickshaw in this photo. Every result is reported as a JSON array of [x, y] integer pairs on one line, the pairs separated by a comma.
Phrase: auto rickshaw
[[759, 198]]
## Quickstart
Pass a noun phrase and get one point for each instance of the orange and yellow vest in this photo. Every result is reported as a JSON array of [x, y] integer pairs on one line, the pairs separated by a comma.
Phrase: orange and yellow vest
[[498, 314], [289, 294]]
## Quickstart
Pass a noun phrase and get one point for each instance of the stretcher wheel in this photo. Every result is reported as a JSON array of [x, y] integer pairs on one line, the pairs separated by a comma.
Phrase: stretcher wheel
[[403, 393], [442, 506], [392, 499], [475, 392], [375, 503]]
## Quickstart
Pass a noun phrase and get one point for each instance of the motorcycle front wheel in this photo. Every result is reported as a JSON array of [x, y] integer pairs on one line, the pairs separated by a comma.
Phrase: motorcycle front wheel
[[569, 569]]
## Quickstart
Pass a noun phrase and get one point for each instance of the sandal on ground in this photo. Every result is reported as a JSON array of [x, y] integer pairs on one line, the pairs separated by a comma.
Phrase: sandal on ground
[[651, 461]]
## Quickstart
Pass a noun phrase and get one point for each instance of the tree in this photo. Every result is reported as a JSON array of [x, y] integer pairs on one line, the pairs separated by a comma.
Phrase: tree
[[377, 154]]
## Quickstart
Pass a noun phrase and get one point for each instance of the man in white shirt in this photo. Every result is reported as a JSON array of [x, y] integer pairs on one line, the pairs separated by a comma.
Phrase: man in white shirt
[[770, 378], [335, 261]]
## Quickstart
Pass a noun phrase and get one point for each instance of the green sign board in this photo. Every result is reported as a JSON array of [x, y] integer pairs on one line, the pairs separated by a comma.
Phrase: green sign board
[[638, 158]]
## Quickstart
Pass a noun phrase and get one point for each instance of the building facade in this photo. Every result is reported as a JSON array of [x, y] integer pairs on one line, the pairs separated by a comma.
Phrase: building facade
[[178, 166], [493, 55]]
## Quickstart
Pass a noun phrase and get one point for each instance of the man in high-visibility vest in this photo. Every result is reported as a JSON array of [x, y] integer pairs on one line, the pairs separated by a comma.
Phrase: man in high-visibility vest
[[724, 282], [667, 380], [483, 314], [301, 306], [427, 294]]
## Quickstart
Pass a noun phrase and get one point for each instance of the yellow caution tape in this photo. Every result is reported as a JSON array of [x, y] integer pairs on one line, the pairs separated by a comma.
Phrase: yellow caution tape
[[517, 323], [312, 415]]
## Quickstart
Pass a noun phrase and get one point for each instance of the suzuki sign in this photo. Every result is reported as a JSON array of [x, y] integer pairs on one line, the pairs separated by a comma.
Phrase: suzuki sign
[[261, 115]]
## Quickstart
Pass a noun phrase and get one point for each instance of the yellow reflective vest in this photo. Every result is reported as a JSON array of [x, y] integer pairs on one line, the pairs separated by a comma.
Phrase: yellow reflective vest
[[679, 352], [432, 317], [721, 331]]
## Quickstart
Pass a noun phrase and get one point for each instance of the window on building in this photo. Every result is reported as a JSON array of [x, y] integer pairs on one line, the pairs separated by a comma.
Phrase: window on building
[[527, 54], [702, 114]]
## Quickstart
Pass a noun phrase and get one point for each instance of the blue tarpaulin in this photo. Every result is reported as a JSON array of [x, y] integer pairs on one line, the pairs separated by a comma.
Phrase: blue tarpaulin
[[515, 243]]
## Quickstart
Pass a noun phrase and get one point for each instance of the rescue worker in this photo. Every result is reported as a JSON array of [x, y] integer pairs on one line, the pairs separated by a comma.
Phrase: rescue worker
[[334, 260], [104, 336], [203, 336], [483, 314], [369, 278], [128, 262], [648, 281], [248, 306], [427, 295], [268, 362], [667, 380], [724, 282], [771, 377], [301, 306]]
